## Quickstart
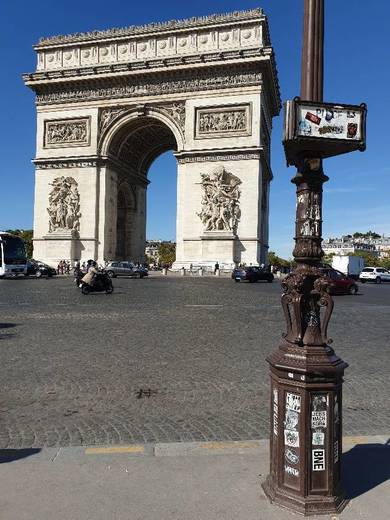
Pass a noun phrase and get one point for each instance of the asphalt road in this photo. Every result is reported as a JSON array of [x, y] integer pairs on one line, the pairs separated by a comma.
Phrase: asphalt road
[[167, 359]]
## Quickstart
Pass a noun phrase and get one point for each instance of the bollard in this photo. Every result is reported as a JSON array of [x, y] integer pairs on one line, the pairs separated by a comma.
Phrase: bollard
[[165, 271], [200, 272], [183, 271]]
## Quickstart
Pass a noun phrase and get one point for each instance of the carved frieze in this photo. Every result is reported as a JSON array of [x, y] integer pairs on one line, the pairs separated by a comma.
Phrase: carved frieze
[[67, 132], [220, 201], [151, 87], [64, 205], [107, 116], [247, 156], [178, 112], [229, 121]]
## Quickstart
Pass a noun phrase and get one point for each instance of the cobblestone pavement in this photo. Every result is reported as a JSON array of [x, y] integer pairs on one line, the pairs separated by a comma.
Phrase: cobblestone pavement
[[167, 359]]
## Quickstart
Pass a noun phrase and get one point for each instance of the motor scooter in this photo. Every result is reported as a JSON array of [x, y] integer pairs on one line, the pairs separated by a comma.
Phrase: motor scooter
[[101, 282]]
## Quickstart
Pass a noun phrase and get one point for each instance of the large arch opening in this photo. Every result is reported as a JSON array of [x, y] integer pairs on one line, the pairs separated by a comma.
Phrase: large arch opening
[[131, 146]]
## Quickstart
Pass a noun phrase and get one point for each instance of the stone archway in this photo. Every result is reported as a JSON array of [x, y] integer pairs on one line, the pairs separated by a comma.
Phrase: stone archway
[[110, 102]]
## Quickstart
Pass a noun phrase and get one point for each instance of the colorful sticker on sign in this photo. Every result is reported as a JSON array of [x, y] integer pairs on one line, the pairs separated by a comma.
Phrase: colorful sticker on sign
[[313, 118], [318, 459], [293, 402], [291, 438]]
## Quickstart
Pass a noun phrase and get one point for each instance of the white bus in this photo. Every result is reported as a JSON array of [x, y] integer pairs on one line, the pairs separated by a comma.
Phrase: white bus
[[13, 257]]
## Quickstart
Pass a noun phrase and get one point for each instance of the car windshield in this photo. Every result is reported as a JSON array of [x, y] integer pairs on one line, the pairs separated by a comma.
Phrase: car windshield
[[368, 270]]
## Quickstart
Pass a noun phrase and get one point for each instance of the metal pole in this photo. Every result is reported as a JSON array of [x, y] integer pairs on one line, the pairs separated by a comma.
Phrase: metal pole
[[306, 374]]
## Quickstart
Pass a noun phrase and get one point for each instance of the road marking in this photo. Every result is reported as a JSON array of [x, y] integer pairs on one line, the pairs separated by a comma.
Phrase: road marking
[[206, 305], [115, 449], [229, 445]]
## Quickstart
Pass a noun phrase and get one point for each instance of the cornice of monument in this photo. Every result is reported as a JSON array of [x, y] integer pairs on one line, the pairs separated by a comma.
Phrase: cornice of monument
[[246, 72], [157, 27]]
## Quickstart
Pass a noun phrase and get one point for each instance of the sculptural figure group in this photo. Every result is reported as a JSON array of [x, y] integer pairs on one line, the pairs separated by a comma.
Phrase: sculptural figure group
[[64, 204], [220, 201]]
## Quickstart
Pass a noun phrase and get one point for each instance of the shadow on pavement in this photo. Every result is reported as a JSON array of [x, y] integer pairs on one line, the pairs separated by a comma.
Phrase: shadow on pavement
[[365, 466], [7, 326], [12, 455]]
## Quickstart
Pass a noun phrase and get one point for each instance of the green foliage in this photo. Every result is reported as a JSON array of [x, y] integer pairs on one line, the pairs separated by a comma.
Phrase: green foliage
[[167, 253], [26, 235], [274, 259], [327, 259], [369, 234], [369, 258]]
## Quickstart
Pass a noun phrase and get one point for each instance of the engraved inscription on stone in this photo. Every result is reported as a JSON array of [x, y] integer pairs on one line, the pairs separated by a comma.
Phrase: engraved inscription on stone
[[70, 132], [220, 121]]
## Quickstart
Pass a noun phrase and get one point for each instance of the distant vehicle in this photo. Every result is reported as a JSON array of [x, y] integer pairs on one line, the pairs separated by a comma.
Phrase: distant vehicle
[[252, 274], [339, 283], [13, 257], [351, 266], [374, 274], [38, 269], [115, 269]]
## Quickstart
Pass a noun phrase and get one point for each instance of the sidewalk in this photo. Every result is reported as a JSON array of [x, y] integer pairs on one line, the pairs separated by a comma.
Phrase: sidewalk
[[177, 481]]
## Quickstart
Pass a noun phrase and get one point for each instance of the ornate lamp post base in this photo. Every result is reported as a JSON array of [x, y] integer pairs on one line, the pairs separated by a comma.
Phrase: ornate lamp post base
[[306, 437]]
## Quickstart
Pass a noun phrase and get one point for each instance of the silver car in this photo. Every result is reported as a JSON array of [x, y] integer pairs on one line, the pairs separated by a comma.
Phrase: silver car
[[115, 269]]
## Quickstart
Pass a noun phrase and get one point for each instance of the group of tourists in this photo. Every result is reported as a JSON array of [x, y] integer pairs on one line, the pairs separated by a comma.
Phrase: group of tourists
[[63, 267]]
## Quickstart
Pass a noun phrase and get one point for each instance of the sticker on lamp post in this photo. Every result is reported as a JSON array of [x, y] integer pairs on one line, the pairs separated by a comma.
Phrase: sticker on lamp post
[[318, 460], [334, 122], [276, 412]]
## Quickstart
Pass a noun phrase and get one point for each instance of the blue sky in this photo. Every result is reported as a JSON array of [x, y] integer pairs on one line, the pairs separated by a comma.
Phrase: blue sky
[[356, 70]]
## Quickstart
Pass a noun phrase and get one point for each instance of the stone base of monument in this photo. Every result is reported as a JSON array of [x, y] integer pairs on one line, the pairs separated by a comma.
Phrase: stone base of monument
[[218, 246], [60, 244]]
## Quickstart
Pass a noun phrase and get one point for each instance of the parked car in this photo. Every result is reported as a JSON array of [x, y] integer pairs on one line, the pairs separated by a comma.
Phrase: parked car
[[38, 269], [252, 274], [374, 274], [115, 269], [339, 282]]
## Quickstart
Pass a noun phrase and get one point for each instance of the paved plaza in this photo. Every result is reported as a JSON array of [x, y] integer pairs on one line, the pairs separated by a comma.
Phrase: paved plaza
[[167, 359]]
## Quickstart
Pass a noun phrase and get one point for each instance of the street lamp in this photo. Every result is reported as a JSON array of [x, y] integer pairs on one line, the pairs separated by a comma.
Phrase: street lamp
[[306, 374]]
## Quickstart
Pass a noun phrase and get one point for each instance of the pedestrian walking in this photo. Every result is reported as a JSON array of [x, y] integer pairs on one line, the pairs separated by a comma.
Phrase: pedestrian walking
[[216, 267]]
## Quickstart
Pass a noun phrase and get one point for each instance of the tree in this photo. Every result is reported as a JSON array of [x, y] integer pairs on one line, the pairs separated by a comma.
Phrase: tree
[[26, 235], [274, 259], [167, 253]]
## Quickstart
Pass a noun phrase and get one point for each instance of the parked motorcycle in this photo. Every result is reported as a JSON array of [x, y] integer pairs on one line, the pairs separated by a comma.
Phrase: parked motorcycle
[[102, 282]]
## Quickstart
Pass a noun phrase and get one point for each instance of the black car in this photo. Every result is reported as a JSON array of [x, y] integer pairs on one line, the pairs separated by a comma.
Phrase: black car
[[252, 274], [38, 269]]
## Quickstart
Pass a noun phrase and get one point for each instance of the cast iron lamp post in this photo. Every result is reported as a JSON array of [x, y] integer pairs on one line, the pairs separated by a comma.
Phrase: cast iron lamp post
[[306, 374]]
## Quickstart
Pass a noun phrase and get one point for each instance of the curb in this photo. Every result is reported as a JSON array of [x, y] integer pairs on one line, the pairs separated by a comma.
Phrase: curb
[[82, 454]]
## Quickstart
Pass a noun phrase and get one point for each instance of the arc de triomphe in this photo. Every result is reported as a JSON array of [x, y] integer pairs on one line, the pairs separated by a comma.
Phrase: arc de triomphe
[[109, 102]]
